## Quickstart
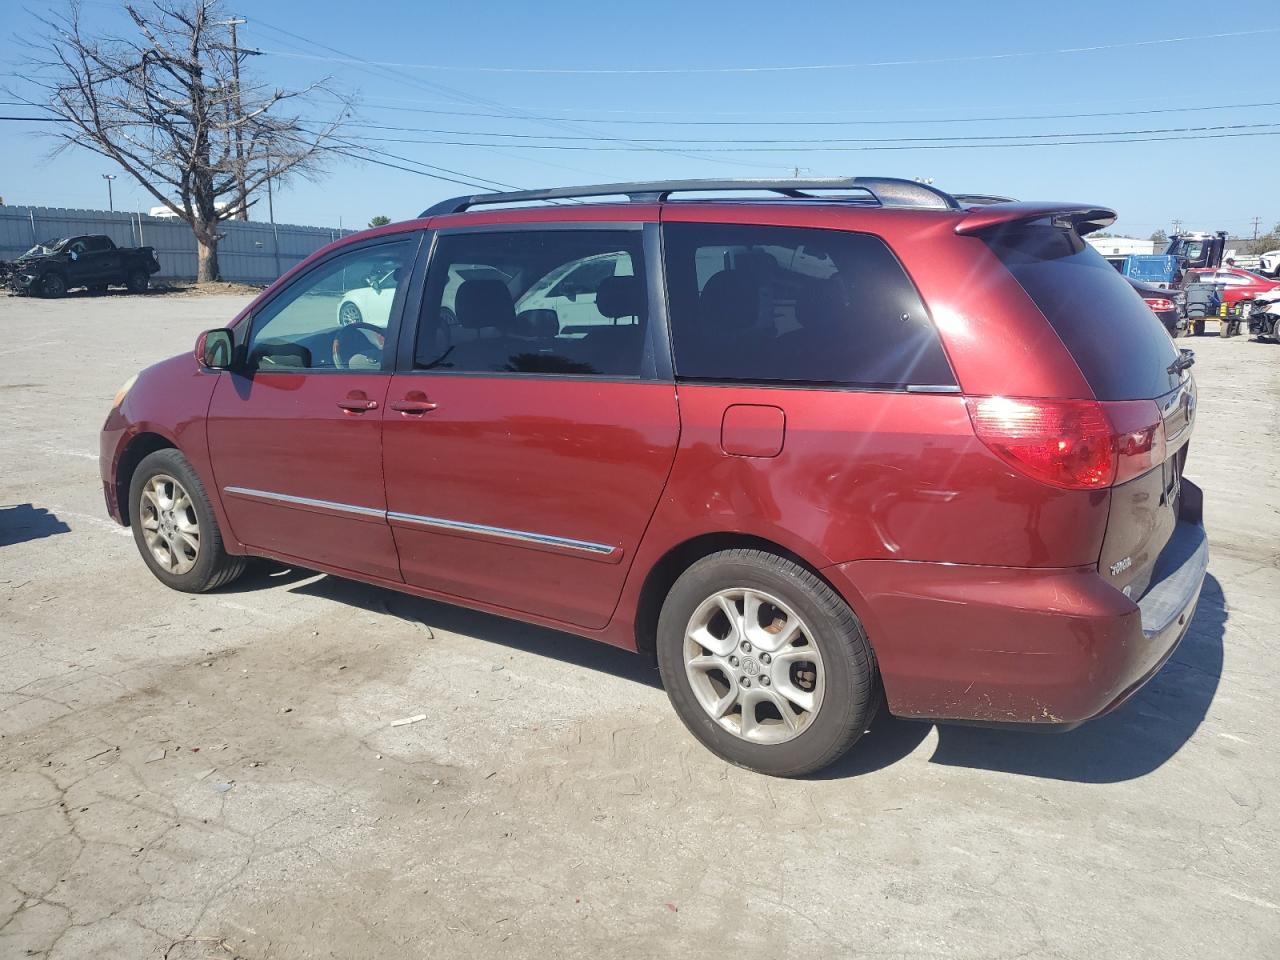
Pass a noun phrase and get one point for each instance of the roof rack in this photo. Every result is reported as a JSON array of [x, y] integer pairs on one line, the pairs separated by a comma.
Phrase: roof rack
[[886, 191]]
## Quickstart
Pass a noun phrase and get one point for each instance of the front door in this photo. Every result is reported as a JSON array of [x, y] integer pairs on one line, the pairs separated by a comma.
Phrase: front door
[[526, 448], [295, 433]]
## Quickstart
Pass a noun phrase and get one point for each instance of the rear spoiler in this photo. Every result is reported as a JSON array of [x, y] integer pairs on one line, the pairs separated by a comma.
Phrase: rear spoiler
[[1084, 218]]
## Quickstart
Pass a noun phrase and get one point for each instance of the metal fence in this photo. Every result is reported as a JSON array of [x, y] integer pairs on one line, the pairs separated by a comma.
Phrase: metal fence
[[249, 252]]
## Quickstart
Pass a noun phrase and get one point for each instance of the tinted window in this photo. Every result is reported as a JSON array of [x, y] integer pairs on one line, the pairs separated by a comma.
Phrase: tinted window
[[1120, 345], [535, 301], [786, 304], [97, 244], [335, 316]]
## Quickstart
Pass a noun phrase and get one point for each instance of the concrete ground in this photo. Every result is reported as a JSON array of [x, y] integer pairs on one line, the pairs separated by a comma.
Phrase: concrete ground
[[216, 776]]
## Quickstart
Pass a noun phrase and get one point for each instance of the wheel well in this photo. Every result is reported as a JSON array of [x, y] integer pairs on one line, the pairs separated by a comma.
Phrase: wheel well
[[663, 575], [139, 447]]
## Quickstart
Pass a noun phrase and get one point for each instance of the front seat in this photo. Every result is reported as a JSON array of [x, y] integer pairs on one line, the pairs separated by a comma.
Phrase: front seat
[[484, 306]]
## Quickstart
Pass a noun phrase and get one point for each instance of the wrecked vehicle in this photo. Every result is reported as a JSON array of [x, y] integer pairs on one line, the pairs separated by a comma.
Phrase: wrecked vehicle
[[51, 268]]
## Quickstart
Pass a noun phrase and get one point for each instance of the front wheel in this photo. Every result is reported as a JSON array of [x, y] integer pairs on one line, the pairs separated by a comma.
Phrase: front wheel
[[174, 526], [138, 281], [765, 663], [53, 285]]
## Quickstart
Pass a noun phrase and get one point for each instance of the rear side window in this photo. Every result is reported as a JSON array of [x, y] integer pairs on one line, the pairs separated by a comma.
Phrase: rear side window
[[1119, 344], [793, 305], [569, 302]]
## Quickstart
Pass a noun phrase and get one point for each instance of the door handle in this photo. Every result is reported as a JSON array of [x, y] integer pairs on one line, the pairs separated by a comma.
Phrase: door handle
[[415, 402], [357, 402]]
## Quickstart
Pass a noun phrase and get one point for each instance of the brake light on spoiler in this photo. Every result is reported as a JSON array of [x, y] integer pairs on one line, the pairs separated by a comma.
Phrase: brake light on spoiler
[[1072, 444]]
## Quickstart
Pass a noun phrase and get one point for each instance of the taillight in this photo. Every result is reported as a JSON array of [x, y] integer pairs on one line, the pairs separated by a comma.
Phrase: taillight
[[1158, 304], [1139, 436], [1073, 444]]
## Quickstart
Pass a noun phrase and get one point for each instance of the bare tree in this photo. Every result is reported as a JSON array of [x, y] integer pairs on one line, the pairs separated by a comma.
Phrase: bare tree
[[173, 108]]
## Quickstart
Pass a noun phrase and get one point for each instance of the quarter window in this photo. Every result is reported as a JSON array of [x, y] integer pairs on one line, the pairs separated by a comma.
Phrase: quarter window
[[535, 301], [336, 316], [792, 305]]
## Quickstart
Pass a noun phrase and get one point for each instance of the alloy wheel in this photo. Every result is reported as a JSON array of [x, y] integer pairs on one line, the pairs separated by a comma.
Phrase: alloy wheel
[[349, 313], [169, 524], [753, 665]]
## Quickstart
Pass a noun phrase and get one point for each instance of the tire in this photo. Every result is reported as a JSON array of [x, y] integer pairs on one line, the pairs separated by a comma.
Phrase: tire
[[349, 313], [138, 281], [1197, 327], [53, 285], [207, 567], [842, 682]]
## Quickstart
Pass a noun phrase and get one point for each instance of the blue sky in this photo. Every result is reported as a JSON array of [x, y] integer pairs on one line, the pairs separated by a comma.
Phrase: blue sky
[[990, 60]]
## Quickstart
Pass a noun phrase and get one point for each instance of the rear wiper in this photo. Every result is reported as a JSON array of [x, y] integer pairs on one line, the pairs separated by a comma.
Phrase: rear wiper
[[1185, 359]]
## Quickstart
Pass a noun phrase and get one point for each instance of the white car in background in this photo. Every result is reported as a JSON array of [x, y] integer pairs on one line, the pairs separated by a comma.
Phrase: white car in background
[[1269, 263], [370, 303]]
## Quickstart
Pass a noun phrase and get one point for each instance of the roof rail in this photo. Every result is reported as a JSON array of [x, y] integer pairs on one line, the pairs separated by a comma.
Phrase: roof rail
[[886, 191]]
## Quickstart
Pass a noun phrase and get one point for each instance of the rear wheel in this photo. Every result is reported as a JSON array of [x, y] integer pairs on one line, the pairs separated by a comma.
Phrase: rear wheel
[[765, 663], [138, 281], [53, 285], [1197, 327], [174, 526]]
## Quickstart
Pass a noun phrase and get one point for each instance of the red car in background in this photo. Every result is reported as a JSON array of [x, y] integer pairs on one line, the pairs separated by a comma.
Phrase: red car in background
[[1237, 284], [806, 452]]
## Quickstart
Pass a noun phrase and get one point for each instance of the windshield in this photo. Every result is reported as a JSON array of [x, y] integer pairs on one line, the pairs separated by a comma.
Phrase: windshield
[[46, 247]]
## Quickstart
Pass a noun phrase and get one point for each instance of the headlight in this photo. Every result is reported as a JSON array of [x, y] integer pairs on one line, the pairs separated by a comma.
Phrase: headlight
[[124, 391]]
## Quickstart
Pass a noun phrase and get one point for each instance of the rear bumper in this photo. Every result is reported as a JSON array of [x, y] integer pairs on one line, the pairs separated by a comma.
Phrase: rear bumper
[[1023, 646]]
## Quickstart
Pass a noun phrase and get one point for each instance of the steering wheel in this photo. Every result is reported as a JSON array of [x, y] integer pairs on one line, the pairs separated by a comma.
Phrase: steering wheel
[[358, 346]]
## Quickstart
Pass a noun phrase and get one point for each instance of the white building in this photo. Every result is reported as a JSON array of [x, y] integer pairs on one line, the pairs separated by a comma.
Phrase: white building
[[1122, 246], [164, 213]]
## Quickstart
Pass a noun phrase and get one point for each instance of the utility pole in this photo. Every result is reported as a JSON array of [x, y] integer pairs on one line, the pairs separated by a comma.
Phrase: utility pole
[[271, 212], [1177, 226], [111, 203], [243, 201], [1256, 221]]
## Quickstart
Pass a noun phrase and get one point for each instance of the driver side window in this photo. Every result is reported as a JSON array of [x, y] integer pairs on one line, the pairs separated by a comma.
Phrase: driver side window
[[336, 316]]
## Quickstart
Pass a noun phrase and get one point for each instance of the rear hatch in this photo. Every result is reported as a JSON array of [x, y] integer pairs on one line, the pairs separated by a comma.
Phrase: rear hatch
[[1134, 370]]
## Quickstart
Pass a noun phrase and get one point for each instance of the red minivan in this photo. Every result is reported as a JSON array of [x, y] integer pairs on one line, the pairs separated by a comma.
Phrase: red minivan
[[810, 443]]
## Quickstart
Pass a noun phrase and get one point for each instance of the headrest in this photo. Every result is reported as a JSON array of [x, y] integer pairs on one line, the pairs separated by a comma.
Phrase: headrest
[[729, 295], [619, 297], [823, 305], [541, 324], [483, 303]]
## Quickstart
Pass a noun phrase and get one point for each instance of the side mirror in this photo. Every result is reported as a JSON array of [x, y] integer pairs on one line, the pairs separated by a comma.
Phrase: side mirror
[[215, 349]]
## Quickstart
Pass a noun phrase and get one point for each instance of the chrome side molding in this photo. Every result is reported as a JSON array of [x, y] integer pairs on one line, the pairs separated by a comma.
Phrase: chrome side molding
[[503, 533], [285, 498], [601, 551]]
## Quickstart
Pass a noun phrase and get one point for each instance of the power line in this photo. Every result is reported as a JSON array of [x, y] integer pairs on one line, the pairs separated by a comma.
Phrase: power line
[[891, 145], [833, 123], [790, 68], [509, 112], [693, 144]]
